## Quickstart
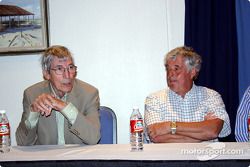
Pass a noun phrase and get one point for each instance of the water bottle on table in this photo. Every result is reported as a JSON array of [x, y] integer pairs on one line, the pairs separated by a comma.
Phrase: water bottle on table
[[4, 132], [136, 130]]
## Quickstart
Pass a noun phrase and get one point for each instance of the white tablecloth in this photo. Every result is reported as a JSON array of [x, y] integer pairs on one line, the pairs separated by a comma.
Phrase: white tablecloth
[[172, 151]]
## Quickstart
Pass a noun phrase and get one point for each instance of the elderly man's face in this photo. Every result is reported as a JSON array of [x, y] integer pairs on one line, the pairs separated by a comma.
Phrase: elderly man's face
[[179, 78], [62, 83]]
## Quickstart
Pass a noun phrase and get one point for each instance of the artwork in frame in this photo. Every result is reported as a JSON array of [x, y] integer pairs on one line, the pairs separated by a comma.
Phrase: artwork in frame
[[23, 26]]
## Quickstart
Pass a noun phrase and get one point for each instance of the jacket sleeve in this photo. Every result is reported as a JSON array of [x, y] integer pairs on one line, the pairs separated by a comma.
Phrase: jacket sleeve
[[87, 123], [26, 135]]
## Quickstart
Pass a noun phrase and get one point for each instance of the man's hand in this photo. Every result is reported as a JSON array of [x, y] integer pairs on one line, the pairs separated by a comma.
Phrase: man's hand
[[158, 129], [45, 103]]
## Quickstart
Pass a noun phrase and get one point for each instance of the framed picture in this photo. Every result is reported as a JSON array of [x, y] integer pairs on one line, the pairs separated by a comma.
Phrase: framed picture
[[23, 26]]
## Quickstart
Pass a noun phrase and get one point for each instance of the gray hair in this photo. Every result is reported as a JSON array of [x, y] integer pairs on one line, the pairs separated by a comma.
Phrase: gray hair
[[192, 59], [54, 51]]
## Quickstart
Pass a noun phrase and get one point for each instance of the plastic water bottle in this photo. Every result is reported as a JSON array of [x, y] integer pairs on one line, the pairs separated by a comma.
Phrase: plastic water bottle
[[136, 130], [4, 132]]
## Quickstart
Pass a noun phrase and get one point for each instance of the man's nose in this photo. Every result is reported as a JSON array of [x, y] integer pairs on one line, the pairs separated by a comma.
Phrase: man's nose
[[66, 73], [170, 73]]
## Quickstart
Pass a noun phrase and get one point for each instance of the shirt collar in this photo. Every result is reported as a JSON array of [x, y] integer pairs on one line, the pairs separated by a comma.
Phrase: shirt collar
[[191, 91], [54, 93], [187, 95]]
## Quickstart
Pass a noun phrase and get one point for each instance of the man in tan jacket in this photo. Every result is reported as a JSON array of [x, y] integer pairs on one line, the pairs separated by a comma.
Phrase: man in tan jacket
[[61, 109]]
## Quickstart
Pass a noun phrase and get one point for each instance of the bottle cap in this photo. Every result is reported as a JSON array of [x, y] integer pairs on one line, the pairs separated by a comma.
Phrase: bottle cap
[[135, 108], [2, 111]]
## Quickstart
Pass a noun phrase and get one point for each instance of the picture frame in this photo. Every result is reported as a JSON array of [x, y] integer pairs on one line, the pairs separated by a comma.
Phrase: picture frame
[[23, 26]]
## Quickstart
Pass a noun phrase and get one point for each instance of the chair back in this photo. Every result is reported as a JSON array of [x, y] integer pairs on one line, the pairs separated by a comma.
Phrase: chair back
[[108, 126]]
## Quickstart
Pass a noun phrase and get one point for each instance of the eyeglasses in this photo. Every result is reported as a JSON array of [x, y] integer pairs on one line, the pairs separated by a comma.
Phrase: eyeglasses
[[59, 70]]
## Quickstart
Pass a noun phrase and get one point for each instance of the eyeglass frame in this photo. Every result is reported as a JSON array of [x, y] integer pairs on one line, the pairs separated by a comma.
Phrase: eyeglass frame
[[64, 69]]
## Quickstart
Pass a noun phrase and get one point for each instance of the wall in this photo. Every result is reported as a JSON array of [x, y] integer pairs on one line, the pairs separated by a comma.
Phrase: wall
[[118, 45]]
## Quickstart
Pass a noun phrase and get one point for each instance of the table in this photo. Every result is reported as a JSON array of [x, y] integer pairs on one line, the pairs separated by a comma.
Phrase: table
[[172, 154]]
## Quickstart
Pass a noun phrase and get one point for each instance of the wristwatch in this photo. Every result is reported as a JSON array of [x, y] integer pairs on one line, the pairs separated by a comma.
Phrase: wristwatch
[[173, 127]]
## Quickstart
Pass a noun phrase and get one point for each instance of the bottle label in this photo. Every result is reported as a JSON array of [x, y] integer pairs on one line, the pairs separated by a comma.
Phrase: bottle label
[[136, 126], [249, 124], [4, 129]]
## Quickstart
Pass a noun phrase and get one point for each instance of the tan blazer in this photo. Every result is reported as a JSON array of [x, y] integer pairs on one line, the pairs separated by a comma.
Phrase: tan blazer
[[85, 130]]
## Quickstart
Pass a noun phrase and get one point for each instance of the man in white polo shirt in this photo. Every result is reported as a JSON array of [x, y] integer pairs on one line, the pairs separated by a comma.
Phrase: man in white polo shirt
[[185, 112]]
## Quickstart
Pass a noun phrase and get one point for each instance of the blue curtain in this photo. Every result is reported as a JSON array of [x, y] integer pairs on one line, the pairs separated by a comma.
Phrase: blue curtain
[[210, 28], [243, 32]]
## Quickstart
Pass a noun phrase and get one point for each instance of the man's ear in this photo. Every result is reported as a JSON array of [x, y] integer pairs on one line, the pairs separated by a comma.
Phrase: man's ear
[[194, 73], [46, 75]]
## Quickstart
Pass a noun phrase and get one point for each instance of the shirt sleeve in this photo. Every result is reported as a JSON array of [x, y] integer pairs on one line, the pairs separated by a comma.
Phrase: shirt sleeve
[[218, 107], [32, 120], [152, 111], [70, 112], [241, 125]]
